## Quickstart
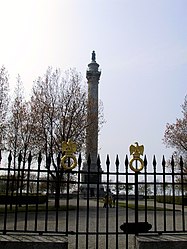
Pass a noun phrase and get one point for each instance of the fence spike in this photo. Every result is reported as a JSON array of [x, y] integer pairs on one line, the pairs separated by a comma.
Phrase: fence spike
[[145, 161], [29, 158], [20, 157], [48, 162], [126, 161], [163, 162], [0, 156], [107, 160], [154, 161], [117, 161], [172, 162], [39, 158], [79, 160], [58, 160], [10, 157], [181, 164], [98, 162]]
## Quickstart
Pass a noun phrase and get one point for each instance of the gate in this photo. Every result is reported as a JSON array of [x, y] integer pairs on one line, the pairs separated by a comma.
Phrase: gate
[[38, 197]]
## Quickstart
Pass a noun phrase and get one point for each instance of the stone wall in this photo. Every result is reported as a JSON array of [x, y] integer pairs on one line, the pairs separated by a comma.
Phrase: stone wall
[[29, 241], [174, 241]]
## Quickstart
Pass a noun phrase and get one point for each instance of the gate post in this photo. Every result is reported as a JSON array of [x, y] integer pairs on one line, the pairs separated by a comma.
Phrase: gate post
[[136, 202]]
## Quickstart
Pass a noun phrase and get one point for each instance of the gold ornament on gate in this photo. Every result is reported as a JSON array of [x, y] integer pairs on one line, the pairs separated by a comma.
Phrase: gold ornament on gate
[[68, 148], [136, 150]]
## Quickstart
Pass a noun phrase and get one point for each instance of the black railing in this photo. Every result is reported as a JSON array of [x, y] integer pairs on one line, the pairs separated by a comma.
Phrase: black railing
[[36, 197]]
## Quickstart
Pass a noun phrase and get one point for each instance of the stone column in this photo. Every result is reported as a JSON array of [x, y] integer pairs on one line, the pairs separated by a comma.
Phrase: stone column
[[93, 76]]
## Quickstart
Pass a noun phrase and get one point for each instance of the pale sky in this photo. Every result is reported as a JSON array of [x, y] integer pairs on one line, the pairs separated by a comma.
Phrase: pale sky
[[141, 46]]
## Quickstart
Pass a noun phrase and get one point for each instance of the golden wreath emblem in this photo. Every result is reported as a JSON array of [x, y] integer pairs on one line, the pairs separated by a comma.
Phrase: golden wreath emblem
[[136, 150], [68, 148]]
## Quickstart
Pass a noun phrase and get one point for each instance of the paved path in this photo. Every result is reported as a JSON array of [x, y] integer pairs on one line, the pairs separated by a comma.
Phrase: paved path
[[109, 220]]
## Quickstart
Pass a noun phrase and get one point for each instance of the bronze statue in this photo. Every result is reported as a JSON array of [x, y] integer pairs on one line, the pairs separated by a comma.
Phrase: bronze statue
[[93, 56]]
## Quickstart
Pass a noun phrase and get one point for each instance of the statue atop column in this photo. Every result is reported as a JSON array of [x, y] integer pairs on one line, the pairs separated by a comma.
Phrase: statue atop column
[[93, 56]]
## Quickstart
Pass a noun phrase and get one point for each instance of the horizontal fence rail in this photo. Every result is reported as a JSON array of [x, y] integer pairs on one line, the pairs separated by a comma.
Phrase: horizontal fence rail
[[99, 207]]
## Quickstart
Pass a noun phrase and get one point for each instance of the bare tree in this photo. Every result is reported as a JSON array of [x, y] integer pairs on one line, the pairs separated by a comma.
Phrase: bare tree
[[4, 100], [20, 125], [60, 104], [175, 135]]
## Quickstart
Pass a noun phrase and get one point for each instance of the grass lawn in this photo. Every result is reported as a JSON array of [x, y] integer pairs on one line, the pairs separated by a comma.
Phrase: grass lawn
[[142, 207], [32, 208]]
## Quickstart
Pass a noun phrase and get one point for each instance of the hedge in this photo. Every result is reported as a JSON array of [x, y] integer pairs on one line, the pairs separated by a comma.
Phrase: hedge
[[169, 199], [23, 199]]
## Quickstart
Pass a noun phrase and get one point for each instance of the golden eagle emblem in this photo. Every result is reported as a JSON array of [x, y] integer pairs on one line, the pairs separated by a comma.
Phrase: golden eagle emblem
[[68, 148], [136, 150]]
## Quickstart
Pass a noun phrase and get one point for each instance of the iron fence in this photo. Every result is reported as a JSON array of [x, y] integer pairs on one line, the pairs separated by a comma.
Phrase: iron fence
[[38, 196]]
